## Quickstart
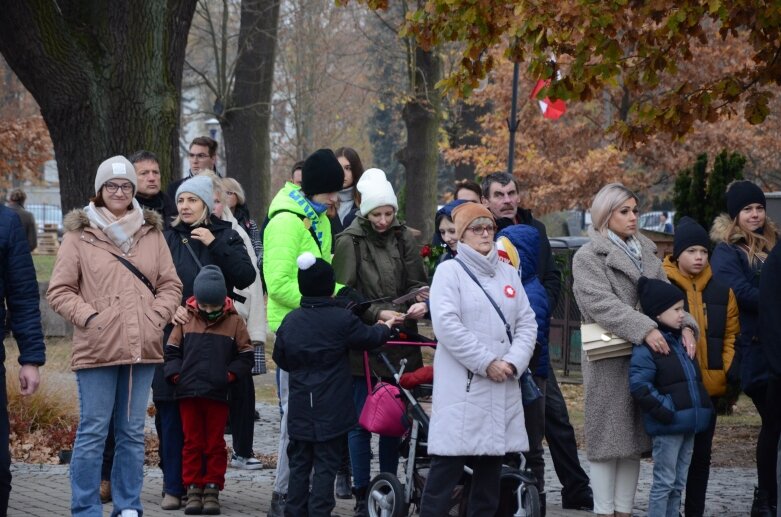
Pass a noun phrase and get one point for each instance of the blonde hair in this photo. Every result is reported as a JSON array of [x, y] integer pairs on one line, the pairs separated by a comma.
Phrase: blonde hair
[[230, 184], [758, 245], [609, 198]]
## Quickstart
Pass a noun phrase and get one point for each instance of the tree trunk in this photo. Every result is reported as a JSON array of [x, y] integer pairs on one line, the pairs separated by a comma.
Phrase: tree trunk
[[247, 120], [420, 157], [107, 77]]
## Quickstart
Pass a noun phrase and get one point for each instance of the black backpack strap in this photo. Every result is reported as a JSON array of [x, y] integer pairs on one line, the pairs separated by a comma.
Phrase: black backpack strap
[[133, 269]]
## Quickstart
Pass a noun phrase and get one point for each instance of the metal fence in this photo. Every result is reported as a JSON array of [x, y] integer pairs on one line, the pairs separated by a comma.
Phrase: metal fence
[[564, 342]]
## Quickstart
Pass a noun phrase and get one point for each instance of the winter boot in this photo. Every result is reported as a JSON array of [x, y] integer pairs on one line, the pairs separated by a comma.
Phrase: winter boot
[[194, 500], [761, 506], [361, 507], [105, 491], [543, 504], [211, 499], [342, 487], [171, 502], [277, 505]]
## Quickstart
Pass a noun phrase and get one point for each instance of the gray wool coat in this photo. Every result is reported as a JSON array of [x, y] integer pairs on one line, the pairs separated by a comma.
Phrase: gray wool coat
[[605, 288]]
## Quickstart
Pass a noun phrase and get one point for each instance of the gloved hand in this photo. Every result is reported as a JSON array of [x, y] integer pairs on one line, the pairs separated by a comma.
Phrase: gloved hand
[[353, 300]]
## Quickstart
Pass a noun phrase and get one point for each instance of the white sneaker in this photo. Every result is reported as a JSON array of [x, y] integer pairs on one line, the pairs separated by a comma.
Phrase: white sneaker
[[239, 462], [129, 513]]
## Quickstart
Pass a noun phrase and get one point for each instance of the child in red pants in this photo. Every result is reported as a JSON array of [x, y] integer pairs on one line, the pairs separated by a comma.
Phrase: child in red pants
[[202, 357]]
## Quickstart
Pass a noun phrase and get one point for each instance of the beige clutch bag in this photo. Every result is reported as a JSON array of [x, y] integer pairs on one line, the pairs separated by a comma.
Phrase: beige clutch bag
[[601, 344]]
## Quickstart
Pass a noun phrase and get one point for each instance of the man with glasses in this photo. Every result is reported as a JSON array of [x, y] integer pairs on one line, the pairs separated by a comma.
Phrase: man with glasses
[[148, 193], [501, 196], [202, 157]]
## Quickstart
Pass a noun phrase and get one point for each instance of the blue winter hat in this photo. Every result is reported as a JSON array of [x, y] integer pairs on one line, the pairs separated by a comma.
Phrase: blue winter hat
[[445, 211], [201, 186]]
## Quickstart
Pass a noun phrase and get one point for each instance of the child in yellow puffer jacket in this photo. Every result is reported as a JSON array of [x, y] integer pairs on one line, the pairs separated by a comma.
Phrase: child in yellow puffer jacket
[[714, 306]]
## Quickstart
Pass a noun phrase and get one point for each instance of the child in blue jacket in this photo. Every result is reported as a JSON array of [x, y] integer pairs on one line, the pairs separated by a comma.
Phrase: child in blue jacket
[[669, 389]]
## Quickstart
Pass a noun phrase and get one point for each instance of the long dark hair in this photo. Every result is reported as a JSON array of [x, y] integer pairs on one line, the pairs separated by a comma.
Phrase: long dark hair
[[356, 167]]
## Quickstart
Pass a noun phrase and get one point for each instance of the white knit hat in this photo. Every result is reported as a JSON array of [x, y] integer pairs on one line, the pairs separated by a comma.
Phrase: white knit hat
[[375, 191], [117, 167]]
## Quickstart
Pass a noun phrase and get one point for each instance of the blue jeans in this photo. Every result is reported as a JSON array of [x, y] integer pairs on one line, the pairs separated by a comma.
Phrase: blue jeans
[[672, 455], [359, 442], [103, 390]]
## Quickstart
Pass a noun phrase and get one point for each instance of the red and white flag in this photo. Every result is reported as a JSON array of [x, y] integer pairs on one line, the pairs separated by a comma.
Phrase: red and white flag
[[550, 109]]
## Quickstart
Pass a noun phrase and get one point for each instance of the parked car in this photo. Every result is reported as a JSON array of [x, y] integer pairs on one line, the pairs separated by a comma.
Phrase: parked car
[[653, 220], [46, 214]]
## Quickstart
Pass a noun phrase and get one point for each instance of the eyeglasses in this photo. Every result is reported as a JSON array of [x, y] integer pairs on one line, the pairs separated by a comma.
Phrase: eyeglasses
[[480, 229], [111, 188], [199, 156]]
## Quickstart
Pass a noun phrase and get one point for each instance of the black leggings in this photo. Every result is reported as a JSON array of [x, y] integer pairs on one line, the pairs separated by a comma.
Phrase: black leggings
[[766, 402]]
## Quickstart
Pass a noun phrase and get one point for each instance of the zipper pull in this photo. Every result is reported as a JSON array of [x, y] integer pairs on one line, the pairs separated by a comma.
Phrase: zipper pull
[[469, 381]]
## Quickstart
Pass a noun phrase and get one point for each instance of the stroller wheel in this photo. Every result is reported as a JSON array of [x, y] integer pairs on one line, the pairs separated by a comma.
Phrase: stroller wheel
[[530, 501], [385, 497]]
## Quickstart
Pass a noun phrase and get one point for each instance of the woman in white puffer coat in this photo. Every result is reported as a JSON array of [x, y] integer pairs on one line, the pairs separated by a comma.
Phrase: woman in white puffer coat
[[477, 412]]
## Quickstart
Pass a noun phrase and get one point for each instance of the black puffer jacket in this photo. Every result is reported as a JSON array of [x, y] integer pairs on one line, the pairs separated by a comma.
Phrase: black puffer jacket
[[227, 252], [312, 345]]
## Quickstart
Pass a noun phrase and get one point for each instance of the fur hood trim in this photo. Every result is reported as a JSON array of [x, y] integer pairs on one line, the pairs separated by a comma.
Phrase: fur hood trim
[[77, 219], [720, 232]]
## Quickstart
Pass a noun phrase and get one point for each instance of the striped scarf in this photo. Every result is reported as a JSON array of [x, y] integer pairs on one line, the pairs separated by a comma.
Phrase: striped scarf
[[631, 247], [119, 230]]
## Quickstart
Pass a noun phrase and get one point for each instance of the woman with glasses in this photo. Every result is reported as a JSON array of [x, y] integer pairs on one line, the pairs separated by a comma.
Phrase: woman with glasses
[[115, 281], [377, 255], [605, 274], [477, 412]]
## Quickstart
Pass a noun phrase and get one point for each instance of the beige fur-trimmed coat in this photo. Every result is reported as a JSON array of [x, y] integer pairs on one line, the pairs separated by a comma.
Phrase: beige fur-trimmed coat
[[605, 288]]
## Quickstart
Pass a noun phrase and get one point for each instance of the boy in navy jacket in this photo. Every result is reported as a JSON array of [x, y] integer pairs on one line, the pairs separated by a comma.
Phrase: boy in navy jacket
[[312, 345], [202, 357], [670, 392]]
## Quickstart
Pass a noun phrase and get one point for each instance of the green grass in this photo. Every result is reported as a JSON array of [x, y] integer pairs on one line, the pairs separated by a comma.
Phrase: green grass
[[43, 266]]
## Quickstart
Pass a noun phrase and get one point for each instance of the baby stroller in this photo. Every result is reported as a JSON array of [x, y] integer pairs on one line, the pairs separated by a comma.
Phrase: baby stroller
[[388, 496]]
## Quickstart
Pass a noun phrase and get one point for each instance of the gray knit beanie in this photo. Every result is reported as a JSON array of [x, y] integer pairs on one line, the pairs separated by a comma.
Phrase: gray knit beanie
[[115, 168], [201, 186], [209, 286]]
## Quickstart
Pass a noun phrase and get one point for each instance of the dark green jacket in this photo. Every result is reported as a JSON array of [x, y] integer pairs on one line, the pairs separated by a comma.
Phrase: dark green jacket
[[381, 272]]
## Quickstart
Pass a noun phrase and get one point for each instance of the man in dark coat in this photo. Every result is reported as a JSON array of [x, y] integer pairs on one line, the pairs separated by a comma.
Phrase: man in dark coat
[[202, 156], [19, 292], [770, 334], [148, 193], [16, 199], [501, 196]]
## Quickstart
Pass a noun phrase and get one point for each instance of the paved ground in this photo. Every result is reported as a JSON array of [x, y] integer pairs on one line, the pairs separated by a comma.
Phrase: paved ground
[[44, 490]]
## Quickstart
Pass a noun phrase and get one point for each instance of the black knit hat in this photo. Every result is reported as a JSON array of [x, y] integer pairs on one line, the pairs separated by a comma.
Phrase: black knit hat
[[322, 173], [315, 276], [209, 286], [741, 194], [688, 233], [656, 296]]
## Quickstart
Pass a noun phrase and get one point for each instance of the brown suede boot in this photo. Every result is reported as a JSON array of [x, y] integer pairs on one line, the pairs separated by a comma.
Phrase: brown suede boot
[[194, 503], [105, 491], [211, 499]]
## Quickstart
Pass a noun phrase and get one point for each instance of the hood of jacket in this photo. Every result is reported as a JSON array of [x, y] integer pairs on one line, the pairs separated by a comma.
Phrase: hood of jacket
[[720, 231], [77, 219], [675, 275], [526, 240]]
